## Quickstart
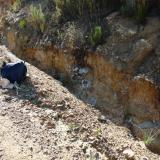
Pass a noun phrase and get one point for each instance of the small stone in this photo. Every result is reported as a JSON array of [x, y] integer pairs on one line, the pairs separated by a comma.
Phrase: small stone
[[56, 115], [73, 139], [141, 144], [60, 105], [91, 138], [85, 147], [8, 98], [49, 111], [92, 101], [50, 125], [3, 113], [102, 119], [32, 97], [45, 152], [144, 158], [83, 70], [42, 92], [31, 149], [128, 153], [75, 69], [86, 83]]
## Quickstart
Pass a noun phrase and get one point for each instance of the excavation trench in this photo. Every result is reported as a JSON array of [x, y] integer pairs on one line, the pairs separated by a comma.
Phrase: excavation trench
[[98, 80]]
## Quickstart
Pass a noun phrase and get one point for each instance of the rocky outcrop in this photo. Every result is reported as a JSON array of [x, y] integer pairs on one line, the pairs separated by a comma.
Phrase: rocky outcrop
[[121, 77]]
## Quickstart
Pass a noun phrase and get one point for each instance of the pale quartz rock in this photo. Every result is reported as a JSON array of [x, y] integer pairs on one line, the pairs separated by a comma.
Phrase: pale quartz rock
[[5, 84], [128, 153]]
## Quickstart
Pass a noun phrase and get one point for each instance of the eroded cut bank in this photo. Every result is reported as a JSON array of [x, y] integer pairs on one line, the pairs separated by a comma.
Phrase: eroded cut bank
[[113, 78]]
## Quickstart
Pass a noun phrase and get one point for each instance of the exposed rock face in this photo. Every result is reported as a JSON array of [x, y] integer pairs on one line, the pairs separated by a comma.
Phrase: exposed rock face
[[112, 79], [111, 70], [143, 100]]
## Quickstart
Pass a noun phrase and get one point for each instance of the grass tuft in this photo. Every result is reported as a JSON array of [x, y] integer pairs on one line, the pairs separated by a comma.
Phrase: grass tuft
[[37, 18]]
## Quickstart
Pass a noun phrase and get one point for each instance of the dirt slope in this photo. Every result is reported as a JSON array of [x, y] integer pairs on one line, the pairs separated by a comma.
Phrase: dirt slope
[[42, 120]]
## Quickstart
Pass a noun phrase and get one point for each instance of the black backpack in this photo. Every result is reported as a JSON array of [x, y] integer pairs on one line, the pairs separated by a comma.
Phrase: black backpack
[[14, 72]]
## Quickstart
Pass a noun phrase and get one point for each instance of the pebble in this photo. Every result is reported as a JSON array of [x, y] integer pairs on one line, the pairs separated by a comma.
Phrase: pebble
[[73, 139], [128, 153], [144, 158], [103, 119], [83, 70], [8, 98]]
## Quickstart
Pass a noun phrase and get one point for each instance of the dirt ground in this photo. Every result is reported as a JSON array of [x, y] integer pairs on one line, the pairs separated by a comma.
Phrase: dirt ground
[[43, 120]]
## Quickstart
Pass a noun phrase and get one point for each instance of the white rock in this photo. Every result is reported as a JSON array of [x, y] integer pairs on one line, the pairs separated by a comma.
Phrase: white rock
[[86, 83], [83, 70], [75, 69], [49, 111], [5, 84], [128, 153], [144, 158]]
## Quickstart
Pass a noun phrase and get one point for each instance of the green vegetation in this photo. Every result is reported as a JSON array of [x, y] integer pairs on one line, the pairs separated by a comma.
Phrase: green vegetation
[[95, 36], [22, 23], [149, 137], [16, 5], [73, 36], [97, 132], [36, 18], [57, 15]]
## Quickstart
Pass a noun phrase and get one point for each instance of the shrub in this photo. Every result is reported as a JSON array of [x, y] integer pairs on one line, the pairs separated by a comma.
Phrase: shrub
[[73, 37], [95, 36], [57, 15], [36, 18], [59, 3], [70, 36], [22, 23], [16, 5]]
